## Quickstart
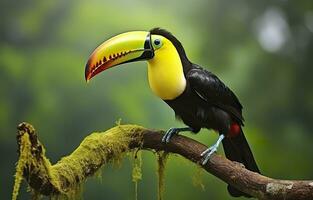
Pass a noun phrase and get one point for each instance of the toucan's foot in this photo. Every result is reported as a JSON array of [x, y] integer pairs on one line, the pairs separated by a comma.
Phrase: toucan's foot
[[169, 133], [209, 151], [173, 131]]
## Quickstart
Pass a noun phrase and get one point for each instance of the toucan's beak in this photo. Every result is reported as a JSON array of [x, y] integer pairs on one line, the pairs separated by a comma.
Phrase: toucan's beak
[[123, 48]]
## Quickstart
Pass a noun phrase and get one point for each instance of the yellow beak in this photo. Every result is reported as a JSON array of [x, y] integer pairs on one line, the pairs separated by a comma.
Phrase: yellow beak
[[123, 48]]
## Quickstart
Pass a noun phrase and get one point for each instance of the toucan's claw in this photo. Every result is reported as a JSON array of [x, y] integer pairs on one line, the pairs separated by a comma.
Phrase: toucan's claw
[[209, 151], [169, 133], [173, 131], [207, 154]]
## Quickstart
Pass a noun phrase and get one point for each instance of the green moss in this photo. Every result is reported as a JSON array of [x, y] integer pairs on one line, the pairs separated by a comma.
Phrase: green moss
[[71, 171], [136, 173], [95, 150], [25, 148], [161, 159]]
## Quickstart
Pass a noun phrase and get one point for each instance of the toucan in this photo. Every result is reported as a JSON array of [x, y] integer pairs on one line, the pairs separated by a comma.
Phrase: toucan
[[197, 96]]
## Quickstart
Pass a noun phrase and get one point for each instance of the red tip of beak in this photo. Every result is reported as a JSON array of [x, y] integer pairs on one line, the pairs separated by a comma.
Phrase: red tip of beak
[[93, 69]]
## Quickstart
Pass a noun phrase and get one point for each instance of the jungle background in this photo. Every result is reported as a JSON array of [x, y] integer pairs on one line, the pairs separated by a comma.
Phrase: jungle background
[[262, 49]]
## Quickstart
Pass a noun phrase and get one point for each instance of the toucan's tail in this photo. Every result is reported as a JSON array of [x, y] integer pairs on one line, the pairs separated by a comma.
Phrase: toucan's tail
[[237, 149]]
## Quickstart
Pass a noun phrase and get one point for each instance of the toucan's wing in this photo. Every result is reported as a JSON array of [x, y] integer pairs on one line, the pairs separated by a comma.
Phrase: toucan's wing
[[212, 90]]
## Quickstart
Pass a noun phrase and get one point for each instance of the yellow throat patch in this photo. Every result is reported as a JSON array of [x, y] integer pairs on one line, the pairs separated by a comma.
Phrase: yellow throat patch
[[165, 71]]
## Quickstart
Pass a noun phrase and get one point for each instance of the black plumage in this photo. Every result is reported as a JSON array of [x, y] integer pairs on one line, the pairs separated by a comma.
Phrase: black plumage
[[208, 103]]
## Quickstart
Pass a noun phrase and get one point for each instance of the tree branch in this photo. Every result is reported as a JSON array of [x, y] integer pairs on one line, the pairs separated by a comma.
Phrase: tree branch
[[98, 149]]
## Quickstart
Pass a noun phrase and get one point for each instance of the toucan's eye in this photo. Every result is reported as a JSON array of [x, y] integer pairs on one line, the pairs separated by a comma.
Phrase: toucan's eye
[[157, 42]]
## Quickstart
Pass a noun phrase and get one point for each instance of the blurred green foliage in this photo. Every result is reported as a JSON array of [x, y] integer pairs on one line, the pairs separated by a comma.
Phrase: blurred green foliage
[[261, 49]]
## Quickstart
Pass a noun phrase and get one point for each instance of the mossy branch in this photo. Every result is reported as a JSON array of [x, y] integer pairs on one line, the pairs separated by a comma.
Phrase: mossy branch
[[98, 149]]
